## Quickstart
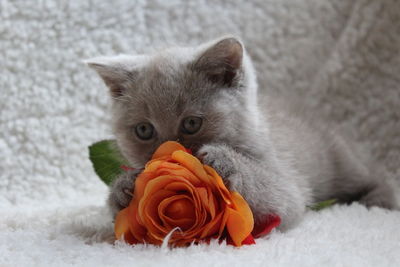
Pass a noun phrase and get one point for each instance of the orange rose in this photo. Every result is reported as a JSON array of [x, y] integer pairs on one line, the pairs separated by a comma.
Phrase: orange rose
[[176, 190]]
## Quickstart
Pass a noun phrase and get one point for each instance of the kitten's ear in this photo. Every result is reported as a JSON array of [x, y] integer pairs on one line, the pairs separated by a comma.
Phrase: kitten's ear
[[114, 71], [222, 62]]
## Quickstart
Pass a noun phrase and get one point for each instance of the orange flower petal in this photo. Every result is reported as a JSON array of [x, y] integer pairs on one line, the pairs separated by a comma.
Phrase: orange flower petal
[[211, 229], [224, 219], [141, 182], [179, 206], [182, 185], [202, 192], [218, 183], [236, 227], [240, 221], [178, 170], [148, 212], [153, 165], [212, 203], [207, 200], [177, 211], [136, 228], [121, 226], [130, 239], [192, 164], [189, 190], [156, 185], [167, 149]]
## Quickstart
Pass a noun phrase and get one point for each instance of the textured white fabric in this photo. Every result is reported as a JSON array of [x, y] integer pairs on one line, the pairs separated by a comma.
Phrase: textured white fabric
[[342, 57]]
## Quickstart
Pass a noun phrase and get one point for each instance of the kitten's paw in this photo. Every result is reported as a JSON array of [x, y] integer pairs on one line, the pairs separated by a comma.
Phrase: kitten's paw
[[121, 191], [381, 196], [217, 156]]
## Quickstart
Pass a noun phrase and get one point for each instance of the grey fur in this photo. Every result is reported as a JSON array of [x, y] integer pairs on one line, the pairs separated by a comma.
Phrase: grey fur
[[121, 190], [279, 159]]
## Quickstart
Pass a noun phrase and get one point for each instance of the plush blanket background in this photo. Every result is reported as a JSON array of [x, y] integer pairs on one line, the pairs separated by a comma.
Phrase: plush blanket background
[[341, 57]]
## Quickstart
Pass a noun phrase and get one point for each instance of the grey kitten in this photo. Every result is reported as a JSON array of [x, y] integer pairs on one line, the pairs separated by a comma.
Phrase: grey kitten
[[205, 97]]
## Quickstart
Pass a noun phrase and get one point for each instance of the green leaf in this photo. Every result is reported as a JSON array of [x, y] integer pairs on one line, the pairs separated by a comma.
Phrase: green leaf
[[323, 204], [106, 160]]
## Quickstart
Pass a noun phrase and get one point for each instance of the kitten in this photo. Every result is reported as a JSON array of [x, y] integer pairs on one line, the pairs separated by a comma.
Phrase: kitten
[[205, 97]]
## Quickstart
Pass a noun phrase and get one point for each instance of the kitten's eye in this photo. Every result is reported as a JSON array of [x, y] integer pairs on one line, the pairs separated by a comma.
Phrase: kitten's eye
[[144, 130], [191, 125]]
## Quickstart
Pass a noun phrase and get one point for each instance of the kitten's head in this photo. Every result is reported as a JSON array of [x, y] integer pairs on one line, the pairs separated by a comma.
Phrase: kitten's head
[[199, 95]]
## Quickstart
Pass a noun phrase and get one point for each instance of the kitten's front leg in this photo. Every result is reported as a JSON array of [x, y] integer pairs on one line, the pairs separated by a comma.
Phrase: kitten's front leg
[[266, 187], [121, 191]]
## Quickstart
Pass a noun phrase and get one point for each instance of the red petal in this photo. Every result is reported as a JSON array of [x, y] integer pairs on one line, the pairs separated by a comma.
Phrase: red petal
[[249, 240], [229, 241], [271, 222], [127, 168], [188, 150]]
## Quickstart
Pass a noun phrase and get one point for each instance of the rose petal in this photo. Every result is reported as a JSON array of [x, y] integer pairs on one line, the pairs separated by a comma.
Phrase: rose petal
[[167, 149], [270, 223], [242, 207], [249, 240], [240, 221], [236, 227], [178, 170], [148, 207], [203, 194], [161, 182], [200, 211], [148, 212], [224, 219], [135, 226], [121, 226], [218, 183], [158, 183], [141, 182], [192, 164], [214, 204], [177, 211], [153, 165], [130, 239], [182, 186], [170, 166], [212, 227], [207, 200], [179, 206]]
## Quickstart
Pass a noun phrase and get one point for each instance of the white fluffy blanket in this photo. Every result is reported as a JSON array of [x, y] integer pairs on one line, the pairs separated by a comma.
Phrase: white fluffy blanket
[[342, 57]]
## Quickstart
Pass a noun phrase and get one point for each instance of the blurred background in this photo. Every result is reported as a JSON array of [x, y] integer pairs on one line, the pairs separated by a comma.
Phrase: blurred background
[[341, 57]]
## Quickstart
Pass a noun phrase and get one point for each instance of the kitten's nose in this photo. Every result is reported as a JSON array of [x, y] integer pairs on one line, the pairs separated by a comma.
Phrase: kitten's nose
[[180, 139]]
